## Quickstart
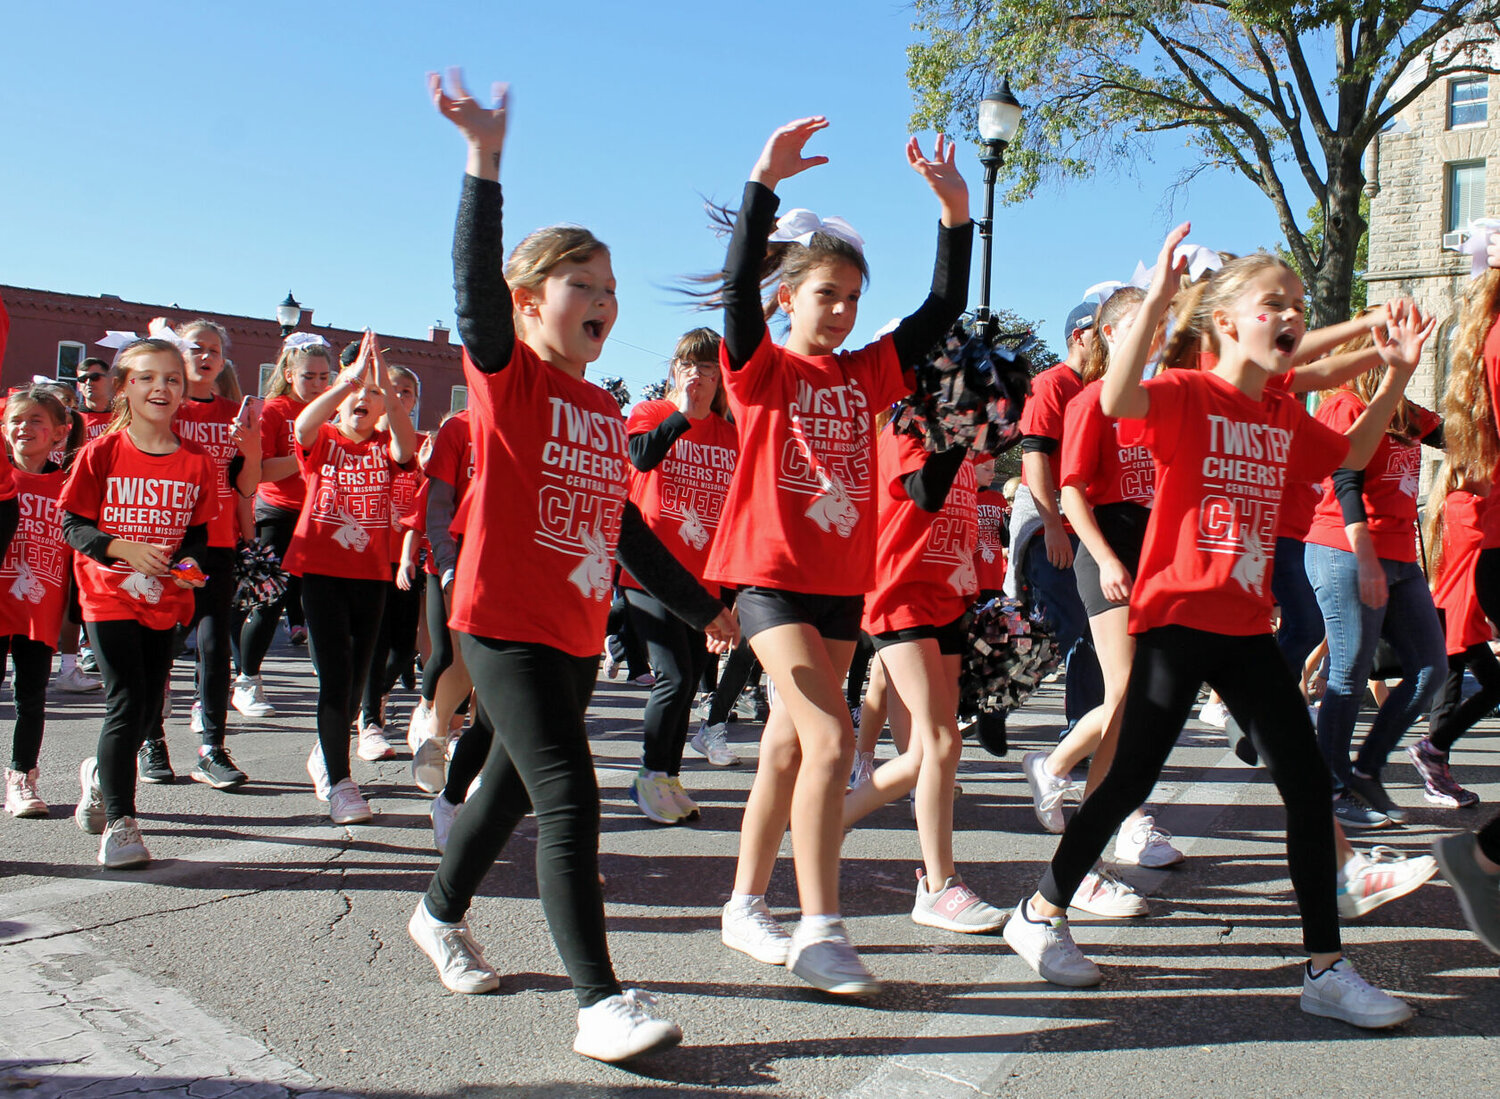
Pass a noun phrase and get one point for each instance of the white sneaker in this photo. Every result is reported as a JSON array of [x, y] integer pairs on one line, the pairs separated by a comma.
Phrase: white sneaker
[[89, 816], [460, 963], [611, 667], [953, 906], [121, 846], [195, 718], [686, 805], [21, 798], [429, 764], [1367, 881], [373, 747], [752, 930], [1215, 713], [346, 805], [418, 726], [709, 741], [619, 1027], [76, 681], [1048, 947], [1340, 993], [863, 772], [1047, 791], [1142, 843], [443, 814], [1104, 895], [652, 793], [826, 959], [249, 697], [317, 770]]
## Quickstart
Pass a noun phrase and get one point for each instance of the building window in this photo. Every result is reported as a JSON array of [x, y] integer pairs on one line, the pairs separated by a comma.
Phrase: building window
[[1468, 101], [267, 372], [458, 400], [1465, 194], [69, 355]]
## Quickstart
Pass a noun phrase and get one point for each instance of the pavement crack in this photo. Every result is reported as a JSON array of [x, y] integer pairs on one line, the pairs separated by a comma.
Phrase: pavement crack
[[934, 1074]]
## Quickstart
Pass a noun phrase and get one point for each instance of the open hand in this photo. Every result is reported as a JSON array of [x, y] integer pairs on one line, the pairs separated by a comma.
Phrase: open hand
[[1170, 267], [483, 127], [943, 176], [1399, 342], [782, 157]]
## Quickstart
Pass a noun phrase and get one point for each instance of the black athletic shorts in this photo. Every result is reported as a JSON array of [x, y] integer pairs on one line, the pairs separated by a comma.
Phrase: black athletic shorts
[[835, 617]]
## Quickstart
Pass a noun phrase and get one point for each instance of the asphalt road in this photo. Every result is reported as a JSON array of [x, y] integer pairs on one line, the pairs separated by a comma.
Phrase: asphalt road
[[264, 951]]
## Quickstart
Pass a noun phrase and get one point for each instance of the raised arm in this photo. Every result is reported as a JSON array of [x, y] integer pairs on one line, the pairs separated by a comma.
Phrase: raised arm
[[403, 435], [949, 295], [1122, 395], [1400, 345], [322, 407], [483, 303]]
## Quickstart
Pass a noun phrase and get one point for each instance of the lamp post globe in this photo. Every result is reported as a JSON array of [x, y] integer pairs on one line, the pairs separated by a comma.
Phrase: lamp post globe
[[288, 313]]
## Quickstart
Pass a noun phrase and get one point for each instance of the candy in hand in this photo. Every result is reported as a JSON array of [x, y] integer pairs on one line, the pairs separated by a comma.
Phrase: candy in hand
[[190, 572]]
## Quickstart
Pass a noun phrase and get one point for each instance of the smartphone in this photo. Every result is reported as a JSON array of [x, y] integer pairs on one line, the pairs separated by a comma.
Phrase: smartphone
[[250, 408]]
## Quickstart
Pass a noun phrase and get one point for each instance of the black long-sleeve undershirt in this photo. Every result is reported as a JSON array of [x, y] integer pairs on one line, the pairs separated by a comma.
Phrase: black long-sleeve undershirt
[[928, 487], [648, 448], [84, 535], [1349, 484], [441, 503], [661, 574], [744, 316]]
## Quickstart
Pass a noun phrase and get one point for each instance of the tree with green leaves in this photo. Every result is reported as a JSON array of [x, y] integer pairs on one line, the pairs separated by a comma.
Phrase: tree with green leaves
[[1261, 87]]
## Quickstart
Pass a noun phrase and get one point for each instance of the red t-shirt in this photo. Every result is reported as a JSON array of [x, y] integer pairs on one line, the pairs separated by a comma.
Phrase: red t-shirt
[[209, 424], [1046, 409], [34, 576], [683, 497], [924, 561], [138, 497], [550, 477], [993, 516], [452, 461], [1098, 460], [1390, 490], [278, 439], [95, 424], [344, 528], [1222, 464], [416, 520], [404, 486], [800, 511], [1453, 589]]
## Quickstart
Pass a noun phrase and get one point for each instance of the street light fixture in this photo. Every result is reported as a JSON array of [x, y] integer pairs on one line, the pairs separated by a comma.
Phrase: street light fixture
[[288, 313], [999, 118]]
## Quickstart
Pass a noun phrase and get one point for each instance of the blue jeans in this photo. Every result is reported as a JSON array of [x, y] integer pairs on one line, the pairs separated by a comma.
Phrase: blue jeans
[[1408, 621], [1055, 593]]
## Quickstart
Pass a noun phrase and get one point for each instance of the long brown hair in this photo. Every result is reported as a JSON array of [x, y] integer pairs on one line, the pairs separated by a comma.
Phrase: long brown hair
[[292, 357], [1114, 309], [1404, 425], [1468, 407]]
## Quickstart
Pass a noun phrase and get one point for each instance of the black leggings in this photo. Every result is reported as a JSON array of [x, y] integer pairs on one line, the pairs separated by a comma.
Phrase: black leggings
[[33, 662], [134, 663], [213, 606], [441, 657], [536, 695], [395, 647], [469, 754], [1171, 663], [1487, 588], [677, 653], [859, 670], [273, 527], [739, 669], [1453, 715], [343, 618]]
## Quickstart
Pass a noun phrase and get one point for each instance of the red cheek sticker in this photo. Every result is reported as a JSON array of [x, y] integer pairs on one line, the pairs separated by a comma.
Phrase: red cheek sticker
[[1262, 317]]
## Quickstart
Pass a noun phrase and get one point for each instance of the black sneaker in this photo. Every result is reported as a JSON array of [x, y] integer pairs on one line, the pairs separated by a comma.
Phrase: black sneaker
[[1372, 793], [217, 770], [989, 730], [152, 763], [1354, 814]]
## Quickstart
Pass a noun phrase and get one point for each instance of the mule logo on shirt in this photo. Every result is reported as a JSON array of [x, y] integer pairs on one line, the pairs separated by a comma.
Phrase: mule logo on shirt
[[965, 578], [692, 529], [832, 509], [1244, 476], [141, 586], [350, 534], [591, 577], [987, 552], [1250, 569], [27, 586]]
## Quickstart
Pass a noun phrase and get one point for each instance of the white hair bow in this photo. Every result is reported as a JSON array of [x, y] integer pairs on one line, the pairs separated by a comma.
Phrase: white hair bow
[[1477, 243], [117, 339], [1102, 290], [161, 330], [1199, 259], [799, 225], [298, 340]]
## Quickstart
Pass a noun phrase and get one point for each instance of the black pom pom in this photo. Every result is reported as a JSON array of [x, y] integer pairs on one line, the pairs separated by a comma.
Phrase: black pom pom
[[969, 393]]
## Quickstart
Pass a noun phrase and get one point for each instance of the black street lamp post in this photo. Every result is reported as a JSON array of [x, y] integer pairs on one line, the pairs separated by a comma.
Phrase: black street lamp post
[[999, 118]]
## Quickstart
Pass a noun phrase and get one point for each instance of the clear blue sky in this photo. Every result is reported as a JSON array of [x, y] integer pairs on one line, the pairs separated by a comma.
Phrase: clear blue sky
[[217, 155]]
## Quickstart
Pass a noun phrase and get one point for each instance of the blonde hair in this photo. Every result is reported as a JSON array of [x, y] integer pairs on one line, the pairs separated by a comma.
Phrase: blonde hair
[[541, 251], [1468, 407], [123, 366], [49, 402], [1121, 302], [699, 345], [291, 357], [228, 382], [203, 324], [1194, 307], [407, 373]]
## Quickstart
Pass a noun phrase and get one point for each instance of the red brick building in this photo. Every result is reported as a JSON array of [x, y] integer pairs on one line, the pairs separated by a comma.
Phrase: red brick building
[[51, 333]]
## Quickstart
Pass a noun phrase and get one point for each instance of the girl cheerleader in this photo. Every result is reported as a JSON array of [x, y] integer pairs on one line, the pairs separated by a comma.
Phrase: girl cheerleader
[[136, 508], [213, 422], [682, 453], [342, 551], [1224, 447], [799, 532], [1454, 530], [532, 593], [917, 615], [33, 582], [1361, 558], [302, 372]]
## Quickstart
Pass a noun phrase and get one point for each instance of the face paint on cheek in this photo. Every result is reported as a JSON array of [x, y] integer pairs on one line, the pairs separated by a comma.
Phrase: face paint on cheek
[[1262, 317]]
